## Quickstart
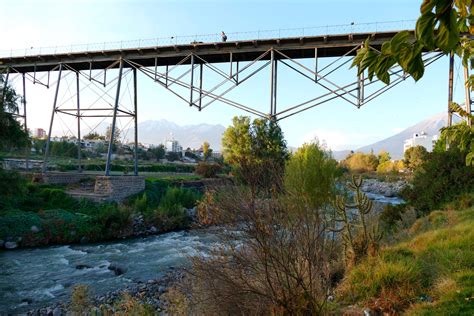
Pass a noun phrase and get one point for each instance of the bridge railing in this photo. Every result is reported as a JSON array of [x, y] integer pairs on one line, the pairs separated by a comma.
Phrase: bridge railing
[[215, 37]]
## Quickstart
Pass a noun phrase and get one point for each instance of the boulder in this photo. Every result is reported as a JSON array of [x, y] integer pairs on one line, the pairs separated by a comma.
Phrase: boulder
[[83, 266], [11, 245], [117, 269], [35, 229]]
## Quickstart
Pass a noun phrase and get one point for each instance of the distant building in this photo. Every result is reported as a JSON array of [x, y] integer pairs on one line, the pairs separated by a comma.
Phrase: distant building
[[173, 146], [420, 139], [38, 133]]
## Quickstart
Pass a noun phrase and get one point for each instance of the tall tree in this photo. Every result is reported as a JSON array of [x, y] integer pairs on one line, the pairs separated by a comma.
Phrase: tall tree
[[117, 133], [12, 133], [206, 150], [253, 149]]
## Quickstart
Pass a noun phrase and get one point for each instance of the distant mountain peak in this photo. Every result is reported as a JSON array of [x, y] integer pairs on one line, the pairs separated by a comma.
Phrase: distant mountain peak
[[394, 144]]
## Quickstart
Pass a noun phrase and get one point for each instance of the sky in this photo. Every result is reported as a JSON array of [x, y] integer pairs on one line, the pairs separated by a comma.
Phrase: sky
[[35, 23]]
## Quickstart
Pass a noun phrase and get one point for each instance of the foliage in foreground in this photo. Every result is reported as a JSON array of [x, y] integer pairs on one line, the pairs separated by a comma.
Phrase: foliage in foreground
[[441, 178], [429, 274], [284, 266]]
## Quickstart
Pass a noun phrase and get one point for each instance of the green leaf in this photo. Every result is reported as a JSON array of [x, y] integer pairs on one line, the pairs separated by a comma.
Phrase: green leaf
[[384, 77], [399, 39], [448, 34], [416, 68], [386, 48], [369, 60], [405, 55], [427, 6], [359, 57], [425, 29]]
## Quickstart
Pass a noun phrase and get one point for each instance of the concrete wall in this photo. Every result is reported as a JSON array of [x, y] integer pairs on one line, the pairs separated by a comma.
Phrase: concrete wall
[[117, 188]]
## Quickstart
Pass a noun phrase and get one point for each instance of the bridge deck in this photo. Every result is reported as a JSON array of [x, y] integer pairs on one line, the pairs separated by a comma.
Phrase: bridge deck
[[248, 50]]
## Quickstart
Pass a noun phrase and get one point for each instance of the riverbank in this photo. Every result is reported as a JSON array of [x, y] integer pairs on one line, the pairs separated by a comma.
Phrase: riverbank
[[41, 215], [148, 293]]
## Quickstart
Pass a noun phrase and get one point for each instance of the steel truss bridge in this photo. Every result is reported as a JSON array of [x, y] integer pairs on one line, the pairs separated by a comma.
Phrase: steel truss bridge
[[180, 70]]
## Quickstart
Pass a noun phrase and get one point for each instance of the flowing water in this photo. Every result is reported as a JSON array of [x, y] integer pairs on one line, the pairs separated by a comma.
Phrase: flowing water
[[33, 278]]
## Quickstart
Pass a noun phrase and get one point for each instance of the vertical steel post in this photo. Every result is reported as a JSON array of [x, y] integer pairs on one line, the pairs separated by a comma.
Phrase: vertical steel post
[[450, 88], [316, 65], [200, 86], [79, 167], [468, 94], [46, 152], [192, 81], [237, 72], [23, 101], [275, 86], [135, 118], [272, 87], [166, 82], [230, 59], [114, 120]]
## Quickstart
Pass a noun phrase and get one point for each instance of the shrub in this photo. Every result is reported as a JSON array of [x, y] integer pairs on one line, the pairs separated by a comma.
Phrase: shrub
[[442, 177], [178, 197], [360, 162], [208, 170], [81, 302], [12, 188], [415, 157], [284, 266], [310, 173], [391, 214]]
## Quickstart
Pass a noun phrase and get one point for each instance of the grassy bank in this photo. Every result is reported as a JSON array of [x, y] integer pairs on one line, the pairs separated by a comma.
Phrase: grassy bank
[[431, 272], [34, 215]]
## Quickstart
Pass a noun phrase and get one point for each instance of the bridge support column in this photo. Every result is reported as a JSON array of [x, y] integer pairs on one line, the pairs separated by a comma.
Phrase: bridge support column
[[46, 152], [273, 84], [114, 121], [135, 118], [79, 167], [23, 102]]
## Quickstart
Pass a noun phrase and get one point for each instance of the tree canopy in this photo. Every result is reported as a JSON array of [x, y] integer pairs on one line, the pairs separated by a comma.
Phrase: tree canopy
[[252, 149], [12, 133]]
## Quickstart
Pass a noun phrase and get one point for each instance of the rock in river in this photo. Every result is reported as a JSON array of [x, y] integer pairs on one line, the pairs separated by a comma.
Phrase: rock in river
[[117, 269], [11, 245]]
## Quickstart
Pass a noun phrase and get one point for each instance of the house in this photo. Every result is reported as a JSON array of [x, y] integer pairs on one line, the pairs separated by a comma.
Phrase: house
[[420, 139]]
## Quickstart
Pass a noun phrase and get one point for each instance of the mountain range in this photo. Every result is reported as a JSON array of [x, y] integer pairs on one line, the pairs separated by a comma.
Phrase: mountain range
[[394, 144], [158, 131]]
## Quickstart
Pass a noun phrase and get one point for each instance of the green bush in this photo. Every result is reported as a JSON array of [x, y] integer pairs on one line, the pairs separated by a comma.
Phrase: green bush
[[440, 179], [175, 197], [208, 170], [12, 188], [310, 173]]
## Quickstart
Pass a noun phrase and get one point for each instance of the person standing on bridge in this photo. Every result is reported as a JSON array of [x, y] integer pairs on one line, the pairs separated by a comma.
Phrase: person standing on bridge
[[224, 37]]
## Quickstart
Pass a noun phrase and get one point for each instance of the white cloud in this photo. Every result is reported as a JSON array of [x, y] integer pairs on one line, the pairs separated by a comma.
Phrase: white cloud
[[339, 139]]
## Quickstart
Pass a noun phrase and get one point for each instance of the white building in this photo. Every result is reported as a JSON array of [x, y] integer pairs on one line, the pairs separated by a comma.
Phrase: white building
[[173, 146], [38, 133], [420, 139]]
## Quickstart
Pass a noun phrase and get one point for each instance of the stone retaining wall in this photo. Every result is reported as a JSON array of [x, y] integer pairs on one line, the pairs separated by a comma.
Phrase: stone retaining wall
[[117, 188], [60, 177]]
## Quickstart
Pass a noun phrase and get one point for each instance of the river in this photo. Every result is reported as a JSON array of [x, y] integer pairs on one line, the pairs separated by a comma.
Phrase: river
[[33, 278]]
